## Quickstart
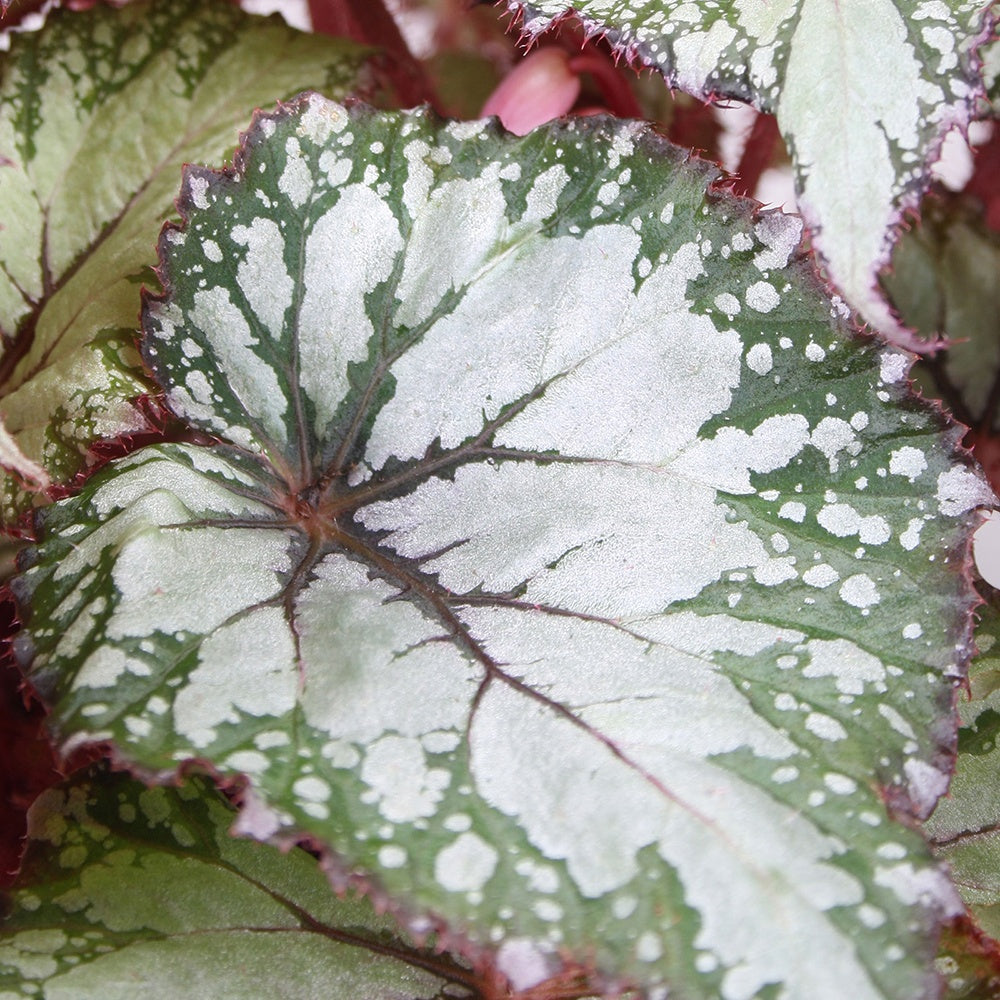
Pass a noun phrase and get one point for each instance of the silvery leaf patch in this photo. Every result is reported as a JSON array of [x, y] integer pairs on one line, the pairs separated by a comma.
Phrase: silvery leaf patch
[[562, 557], [863, 91], [128, 890], [98, 111]]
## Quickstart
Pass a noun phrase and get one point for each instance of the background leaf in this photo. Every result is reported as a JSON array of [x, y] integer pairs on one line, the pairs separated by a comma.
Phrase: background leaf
[[860, 145], [98, 112], [128, 889], [945, 281], [633, 689]]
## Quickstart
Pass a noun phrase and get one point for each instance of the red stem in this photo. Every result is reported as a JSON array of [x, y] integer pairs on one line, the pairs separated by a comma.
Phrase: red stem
[[369, 22], [757, 155], [13, 11], [616, 92]]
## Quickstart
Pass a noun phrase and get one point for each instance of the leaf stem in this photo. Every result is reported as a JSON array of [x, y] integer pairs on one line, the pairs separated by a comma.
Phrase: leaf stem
[[757, 154], [614, 89]]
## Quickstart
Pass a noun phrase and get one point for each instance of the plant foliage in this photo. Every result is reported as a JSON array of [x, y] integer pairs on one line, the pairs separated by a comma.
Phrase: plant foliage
[[526, 529], [127, 890], [97, 114], [863, 94], [638, 689]]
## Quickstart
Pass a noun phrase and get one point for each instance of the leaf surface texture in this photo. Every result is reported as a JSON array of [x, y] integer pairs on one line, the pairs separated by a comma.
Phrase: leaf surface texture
[[98, 112], [563, 558]]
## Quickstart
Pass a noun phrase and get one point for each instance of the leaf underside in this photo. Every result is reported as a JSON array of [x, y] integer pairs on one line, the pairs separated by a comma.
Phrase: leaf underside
[[563, 559], [860, 147], [98, 112], [127, 889]]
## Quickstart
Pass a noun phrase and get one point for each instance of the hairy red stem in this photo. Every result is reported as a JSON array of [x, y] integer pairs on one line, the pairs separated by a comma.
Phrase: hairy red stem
[[616, 92], [757, 155]]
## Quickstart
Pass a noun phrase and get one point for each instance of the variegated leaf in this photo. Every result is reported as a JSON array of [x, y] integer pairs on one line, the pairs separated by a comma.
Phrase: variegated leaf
[[564, 559], [863, 91], [129, 891], [965, 826], [97, 114]]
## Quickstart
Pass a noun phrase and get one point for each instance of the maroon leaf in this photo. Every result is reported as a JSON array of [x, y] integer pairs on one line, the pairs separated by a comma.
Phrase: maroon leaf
[[985, 181]]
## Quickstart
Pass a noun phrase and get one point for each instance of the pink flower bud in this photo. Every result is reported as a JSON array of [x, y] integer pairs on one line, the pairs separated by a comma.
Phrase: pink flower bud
[[539, 88]]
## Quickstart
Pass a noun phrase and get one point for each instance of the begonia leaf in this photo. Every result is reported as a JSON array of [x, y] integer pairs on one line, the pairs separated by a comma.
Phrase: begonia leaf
[[563, 559], [98, 112], [965, 826], [129, 891], [863, 93]]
